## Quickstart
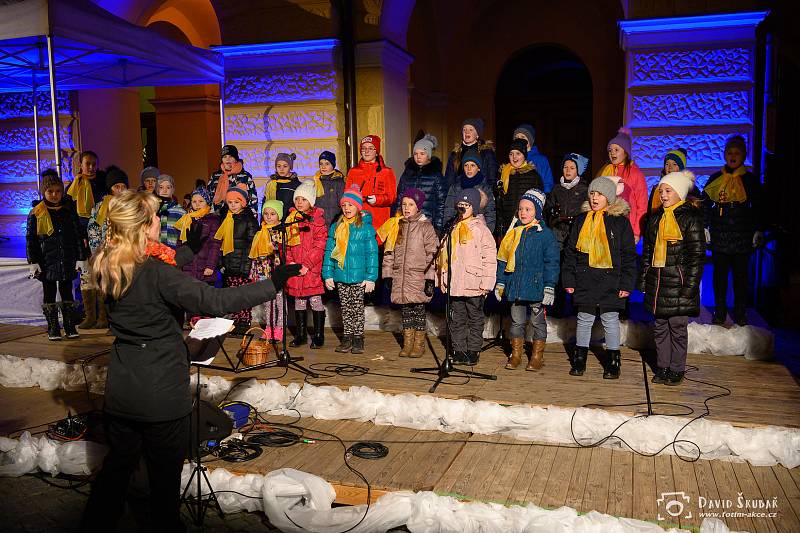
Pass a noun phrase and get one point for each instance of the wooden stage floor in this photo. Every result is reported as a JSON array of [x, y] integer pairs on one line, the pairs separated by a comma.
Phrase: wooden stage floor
[[498, 469]]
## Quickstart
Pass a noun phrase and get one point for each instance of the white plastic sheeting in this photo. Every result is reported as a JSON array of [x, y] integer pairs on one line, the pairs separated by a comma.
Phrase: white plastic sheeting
[[295, 501], [50, 375], [31, 454]]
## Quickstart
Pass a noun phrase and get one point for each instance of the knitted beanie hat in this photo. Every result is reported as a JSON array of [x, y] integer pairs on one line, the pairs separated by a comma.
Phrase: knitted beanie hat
[[736, 141], [277, 205], [476, 123], [329, 157], [288, 158], [308, 190], [538, 198], [623, 140], [680, 182], [678, 156], [472, 196], [427, 144], [580, 161], [471, 156], [606, 187], [202, 192], [519, 145], [230, 150], [353, 195], [374, 140], [166, 177], [115, 175], [149, 172], [239, 192], [415, 194], [528, 131]]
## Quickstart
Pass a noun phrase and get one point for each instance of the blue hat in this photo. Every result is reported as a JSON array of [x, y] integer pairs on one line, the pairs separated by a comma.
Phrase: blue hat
[[476, 123], [538, 198], [203, 193], [328, 156], [580, 161], [471, 156], [677, 156]]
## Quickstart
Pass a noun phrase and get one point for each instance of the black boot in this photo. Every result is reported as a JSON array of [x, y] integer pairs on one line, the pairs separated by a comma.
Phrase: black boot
[[50, 312], [300, 337], [459, 357], [358, 344], [674, 378], [613, 365], [720, 315], [578, 361], [68, 315], [318, 337], [660, 376], [472, 357], [346, 345]]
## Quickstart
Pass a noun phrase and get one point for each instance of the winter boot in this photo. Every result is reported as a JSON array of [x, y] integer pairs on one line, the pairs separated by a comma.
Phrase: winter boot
[[409, 336], [50, 312], [674, 378], [578, 362], [358, 344], [68, 314], [346, 345], [473, 357], [537, 359], [613, 365], [318, 338], [90, 308], [420, 341], [720, 315], [459, 357], [660, 376], [102, 317], [300, 337], [517, 348]]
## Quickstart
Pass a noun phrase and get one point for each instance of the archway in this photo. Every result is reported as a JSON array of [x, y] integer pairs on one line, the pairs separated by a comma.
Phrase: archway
[[550, 87]]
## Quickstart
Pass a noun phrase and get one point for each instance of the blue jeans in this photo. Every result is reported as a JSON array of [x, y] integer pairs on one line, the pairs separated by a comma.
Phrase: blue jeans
[[610, 324], [519, 318]]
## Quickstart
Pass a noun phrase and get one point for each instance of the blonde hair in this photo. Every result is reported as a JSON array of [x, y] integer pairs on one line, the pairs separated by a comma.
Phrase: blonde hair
[[114, 263]]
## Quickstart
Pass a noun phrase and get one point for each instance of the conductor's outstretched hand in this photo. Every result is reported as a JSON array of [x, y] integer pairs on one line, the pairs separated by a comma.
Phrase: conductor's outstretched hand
[[195, 239], [282, 273]]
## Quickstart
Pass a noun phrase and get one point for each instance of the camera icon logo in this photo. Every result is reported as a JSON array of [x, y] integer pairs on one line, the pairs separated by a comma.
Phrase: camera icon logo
[[672, 505]]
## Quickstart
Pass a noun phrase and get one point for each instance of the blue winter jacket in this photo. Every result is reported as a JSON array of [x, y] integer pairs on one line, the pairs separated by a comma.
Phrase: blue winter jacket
[[537, 266], [428, 179], [542, 167], [361, 260]]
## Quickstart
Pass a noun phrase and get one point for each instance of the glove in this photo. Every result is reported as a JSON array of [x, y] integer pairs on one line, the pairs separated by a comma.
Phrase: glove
[[708, 235], [195, 239], [371, 199], [388, 283], [282, 273], [758, 239], [330, 284], [83, 266], [499, 289], [549, 296], [35, 270], [369, 286], [428, 287]]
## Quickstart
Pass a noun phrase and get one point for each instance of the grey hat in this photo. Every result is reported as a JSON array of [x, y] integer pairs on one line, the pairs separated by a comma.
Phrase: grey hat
[[427, 144], [606, 187], [288, 158], [476, 123], [167, 177], [149, 172], [472, 196]]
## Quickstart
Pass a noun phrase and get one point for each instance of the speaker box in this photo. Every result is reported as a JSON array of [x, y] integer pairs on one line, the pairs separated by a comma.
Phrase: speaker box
[[215, 424]]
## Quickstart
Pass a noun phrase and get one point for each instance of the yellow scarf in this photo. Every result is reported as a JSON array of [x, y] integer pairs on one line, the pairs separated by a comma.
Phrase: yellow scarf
[[262, 242], [272, 187], [185, 222], [318, 183], [461, 234], [389, 230], [44, 224], [728, 187], [506, 171], [668, 231], [593, 240], [102, 212], [342, 237], [293, 231], [508, 247], [225, 234], [81, 192]]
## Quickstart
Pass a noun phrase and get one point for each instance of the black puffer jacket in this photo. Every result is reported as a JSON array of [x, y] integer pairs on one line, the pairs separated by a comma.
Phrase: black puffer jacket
[[674, 289], [428, 179], [600, 286], [508, 201], [562, 206], [732, 225], [484, 150], [56, 254], [245, 227], [148, 369]]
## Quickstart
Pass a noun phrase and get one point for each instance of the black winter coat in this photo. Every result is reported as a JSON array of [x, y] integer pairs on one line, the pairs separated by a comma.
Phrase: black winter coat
[[485, 151], [428, 179], [508, 202], [732, 225], [562, 206], [245, 227], [600, 286], [148, 370], [328, 202], [57, 254], [674, 289]]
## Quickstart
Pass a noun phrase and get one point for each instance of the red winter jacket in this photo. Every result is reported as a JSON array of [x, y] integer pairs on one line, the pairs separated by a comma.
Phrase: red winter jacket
[[382, 184], [308, 253]]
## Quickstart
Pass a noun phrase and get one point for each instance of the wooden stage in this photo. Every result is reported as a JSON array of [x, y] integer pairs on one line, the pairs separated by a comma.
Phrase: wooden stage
[[497, 469]]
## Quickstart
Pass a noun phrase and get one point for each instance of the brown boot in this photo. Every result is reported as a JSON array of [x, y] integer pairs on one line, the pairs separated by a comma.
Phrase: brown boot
[[408, 342], [102, 318], [537, 359], [420, 340], [517, 347], [89, 306]]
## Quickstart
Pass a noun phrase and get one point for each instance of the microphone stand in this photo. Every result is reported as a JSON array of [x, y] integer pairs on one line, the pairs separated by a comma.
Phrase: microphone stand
[[445, 368], [500, 338]]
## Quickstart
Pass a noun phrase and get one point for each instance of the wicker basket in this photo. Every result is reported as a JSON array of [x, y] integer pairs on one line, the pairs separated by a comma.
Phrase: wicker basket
[[258, 351]]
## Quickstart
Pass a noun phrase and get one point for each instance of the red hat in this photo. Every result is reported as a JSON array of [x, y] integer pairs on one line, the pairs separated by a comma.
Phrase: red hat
[[373, 140]]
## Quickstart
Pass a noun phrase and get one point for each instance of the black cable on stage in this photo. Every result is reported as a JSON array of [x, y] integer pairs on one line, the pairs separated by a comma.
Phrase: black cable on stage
[[278, 438], [349, 370], [237, 451], [368, 450]]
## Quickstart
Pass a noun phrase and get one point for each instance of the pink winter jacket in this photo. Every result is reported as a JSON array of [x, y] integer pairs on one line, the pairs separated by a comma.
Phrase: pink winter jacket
[[309, 253], [475, 264]]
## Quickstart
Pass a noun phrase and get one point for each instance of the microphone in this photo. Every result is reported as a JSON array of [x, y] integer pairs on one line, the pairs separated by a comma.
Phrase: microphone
[[307, 217], [461, 209]]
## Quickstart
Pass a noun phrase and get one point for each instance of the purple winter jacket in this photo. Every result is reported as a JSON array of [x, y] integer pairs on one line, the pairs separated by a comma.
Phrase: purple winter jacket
[[208, 257]]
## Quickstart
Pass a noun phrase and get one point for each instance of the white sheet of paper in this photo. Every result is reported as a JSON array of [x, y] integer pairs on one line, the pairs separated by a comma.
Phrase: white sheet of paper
[[208, 328]]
